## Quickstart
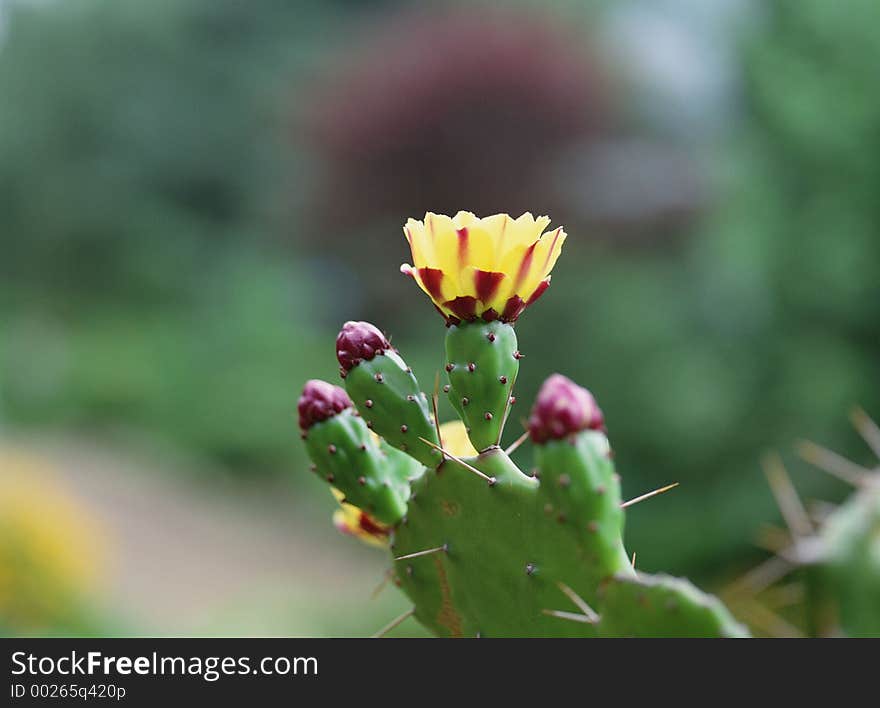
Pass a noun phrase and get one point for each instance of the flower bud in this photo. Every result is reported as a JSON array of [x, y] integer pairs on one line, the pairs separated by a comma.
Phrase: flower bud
[[319, 401], [563, 408], [357, 342]]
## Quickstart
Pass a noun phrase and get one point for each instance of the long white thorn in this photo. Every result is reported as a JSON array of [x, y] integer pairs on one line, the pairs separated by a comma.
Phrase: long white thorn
[[771, 623], [386, 577], [516, 443], [571, 616], [507, 407], [867, 428], [654, 493], [832, 463], [579, 602], [393, 623], [490, 480], [434, 399], [426, 552], [787, 499], [762, 576]]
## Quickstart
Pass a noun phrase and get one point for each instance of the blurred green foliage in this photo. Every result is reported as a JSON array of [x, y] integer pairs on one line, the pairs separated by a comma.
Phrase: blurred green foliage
[[141, 152], [149, 279]]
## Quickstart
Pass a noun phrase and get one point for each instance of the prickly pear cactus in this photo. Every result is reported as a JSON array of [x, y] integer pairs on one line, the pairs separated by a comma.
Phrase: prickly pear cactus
[[834, 556], [481, 548]]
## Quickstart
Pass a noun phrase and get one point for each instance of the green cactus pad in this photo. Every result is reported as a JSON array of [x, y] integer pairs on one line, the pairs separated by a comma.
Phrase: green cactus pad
[[387, 395], [482, 363], [662, 606], [347, 456], [507, 548], [580, 485]]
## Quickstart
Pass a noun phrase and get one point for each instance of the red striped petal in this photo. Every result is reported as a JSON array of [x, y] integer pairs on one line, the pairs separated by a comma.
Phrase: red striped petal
[[513, 309], [432, 278], [552, 248], [486, 283], [464, 307], [462, 246], [525, 266], [542, 286], [372, 527]]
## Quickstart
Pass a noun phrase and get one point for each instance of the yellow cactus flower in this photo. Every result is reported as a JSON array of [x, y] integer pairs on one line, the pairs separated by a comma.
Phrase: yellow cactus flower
[[491, 267], [455, 439], [352, 521]]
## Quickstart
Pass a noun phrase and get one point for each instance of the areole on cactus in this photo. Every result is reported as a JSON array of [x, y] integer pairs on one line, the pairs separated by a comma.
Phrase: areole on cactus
[[481, 548]]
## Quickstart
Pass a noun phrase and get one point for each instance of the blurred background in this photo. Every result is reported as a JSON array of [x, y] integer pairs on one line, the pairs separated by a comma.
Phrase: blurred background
[[195, 194]]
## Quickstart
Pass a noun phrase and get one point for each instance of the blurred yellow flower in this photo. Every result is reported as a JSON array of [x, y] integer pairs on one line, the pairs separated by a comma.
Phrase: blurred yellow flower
[[455, 439], [492, 267], [51, 551], [352, 521]]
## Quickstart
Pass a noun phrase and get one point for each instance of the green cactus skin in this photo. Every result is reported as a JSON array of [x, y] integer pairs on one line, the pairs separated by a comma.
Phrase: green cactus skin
[[482, 363], [374, 477], [579, 482], [662, 606], [509, 545], [387, 394], [504, 554]]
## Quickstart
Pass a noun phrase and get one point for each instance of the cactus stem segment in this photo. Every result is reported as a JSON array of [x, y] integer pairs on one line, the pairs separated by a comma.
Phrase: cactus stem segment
[[393, 623], [516, 443], [832, 463], [458, 460], [444, 548], [648, 495]]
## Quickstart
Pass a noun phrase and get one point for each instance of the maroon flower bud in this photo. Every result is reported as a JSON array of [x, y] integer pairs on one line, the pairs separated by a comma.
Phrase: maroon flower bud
[[320, 400], [357, 342], [563, 408]]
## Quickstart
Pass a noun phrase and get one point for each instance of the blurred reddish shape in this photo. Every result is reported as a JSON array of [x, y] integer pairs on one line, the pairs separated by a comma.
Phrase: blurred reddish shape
[[458, 109]]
